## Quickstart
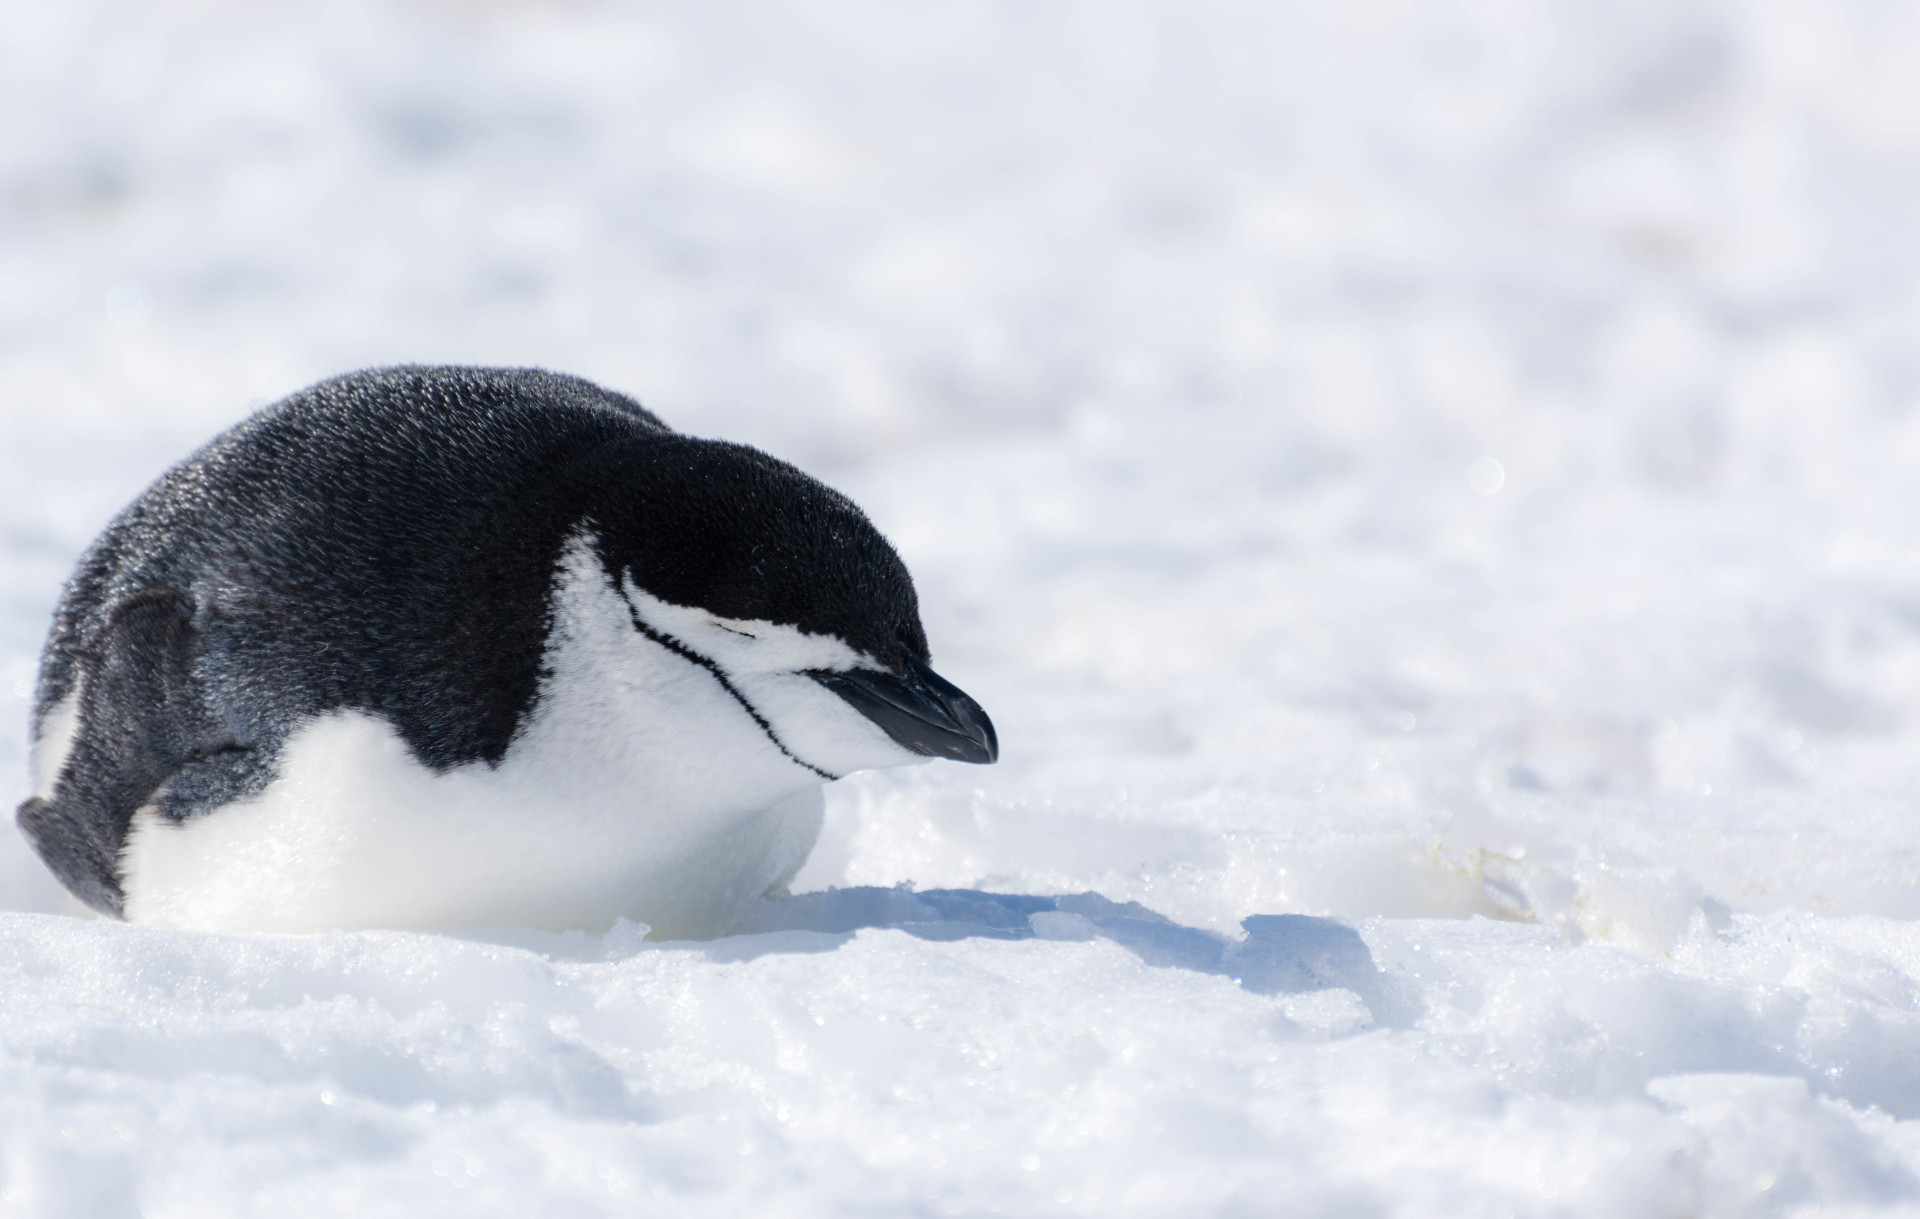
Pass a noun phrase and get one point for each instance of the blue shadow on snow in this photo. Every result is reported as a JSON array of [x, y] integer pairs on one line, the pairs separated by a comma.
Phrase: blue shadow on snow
[[1282, 953]]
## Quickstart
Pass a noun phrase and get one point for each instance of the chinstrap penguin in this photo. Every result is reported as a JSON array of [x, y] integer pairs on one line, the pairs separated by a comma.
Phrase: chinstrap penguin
[[452, 647]]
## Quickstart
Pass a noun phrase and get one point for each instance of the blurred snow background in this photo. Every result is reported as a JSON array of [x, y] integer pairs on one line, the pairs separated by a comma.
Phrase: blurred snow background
[[1441, 469]]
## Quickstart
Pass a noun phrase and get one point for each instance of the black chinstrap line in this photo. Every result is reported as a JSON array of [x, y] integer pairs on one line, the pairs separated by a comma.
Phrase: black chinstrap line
[[682, 650]]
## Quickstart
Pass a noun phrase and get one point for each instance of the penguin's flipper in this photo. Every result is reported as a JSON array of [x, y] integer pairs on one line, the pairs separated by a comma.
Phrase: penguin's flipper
[[140, 720], [75, 856]]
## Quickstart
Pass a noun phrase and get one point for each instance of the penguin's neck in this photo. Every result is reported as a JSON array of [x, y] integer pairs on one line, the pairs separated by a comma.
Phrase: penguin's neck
[[639, 721]]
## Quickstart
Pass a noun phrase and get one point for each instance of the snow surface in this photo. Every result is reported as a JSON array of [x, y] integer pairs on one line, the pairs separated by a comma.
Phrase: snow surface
[[1425, 491]]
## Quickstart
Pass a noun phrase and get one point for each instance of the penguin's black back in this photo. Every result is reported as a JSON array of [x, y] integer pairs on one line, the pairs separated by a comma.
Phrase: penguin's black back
[[382, 541]]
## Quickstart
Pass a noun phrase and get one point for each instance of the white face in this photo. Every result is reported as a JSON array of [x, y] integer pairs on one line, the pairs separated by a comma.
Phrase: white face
[[766, 664]]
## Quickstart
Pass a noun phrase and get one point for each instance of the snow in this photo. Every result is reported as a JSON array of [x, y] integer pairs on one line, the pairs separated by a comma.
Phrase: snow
[[1423, 489]]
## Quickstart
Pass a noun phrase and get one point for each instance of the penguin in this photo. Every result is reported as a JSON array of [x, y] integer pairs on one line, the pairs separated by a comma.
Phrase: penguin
[[438, 648]]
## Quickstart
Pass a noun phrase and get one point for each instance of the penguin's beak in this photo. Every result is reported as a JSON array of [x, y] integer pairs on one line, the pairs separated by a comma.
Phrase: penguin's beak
[[920, 710]]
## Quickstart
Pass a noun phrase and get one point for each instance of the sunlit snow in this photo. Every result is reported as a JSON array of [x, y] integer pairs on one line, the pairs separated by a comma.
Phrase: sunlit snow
[[1427, 491]]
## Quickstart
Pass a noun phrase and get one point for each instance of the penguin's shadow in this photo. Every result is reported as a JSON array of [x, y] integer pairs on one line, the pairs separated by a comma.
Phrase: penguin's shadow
[[1281, 954]]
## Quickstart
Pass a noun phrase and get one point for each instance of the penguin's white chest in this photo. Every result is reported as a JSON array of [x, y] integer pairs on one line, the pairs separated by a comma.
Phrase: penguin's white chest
[[652, 782]]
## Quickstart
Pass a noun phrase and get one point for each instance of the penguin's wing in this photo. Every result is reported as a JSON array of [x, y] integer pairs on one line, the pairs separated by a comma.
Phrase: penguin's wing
[[140, 719]]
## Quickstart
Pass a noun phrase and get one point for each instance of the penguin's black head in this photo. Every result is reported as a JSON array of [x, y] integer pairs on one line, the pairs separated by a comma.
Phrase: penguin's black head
[[761, 550]]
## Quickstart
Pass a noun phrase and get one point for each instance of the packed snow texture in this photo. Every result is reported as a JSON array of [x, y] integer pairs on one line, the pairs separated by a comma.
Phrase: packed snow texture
[[1426, 491]]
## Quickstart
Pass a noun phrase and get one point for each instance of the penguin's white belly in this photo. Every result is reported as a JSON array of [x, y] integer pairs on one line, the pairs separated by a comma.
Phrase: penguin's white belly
[[355, 833], [641, 788]]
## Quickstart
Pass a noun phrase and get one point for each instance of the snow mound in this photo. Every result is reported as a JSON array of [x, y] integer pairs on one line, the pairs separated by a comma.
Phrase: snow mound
[[958, 1051]]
